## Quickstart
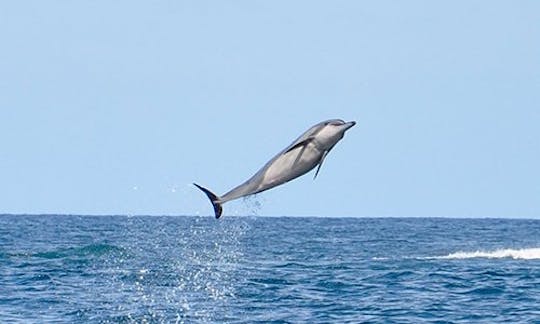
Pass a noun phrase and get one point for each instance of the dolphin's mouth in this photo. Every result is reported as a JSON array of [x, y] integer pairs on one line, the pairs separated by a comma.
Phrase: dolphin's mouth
[[349, 124]]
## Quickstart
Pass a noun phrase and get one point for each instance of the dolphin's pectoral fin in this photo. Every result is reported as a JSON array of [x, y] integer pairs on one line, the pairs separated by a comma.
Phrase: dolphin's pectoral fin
[[320, 163], [299, 144], [214, 199], [299, 155], [303, 144]]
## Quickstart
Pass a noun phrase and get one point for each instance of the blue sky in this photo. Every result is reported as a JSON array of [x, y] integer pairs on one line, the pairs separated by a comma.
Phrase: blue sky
[[116, 107]]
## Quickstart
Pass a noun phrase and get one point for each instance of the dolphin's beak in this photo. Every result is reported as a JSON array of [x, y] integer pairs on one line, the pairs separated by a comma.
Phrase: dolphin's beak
[[349, 124]]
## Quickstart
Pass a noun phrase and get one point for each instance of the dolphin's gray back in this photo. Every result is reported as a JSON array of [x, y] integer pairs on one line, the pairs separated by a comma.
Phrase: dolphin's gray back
[[257, 182]]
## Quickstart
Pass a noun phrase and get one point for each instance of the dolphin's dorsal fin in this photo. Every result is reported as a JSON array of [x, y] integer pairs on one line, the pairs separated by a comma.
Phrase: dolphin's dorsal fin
[[320, 164]]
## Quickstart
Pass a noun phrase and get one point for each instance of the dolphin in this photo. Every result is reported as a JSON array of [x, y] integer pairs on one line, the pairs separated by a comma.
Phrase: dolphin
[[304, 154]]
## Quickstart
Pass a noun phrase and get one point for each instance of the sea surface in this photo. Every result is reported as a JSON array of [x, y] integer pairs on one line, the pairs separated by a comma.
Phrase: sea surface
[[184, 269]]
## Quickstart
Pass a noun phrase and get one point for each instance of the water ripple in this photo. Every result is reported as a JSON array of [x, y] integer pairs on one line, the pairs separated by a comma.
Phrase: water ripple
[[249, 270]]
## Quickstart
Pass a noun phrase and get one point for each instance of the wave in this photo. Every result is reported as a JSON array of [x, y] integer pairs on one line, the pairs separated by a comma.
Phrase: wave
[[525, 254], [79, 251]]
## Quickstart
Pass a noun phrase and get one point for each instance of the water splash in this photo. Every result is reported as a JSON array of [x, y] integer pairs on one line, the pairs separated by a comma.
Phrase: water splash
[[253, 204], [206, 269]]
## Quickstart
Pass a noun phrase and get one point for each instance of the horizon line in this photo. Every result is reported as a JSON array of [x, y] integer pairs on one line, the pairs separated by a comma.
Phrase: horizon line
[[270, 216]]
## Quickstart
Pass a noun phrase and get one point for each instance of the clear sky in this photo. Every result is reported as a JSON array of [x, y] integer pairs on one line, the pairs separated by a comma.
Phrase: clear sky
[[116, 107]]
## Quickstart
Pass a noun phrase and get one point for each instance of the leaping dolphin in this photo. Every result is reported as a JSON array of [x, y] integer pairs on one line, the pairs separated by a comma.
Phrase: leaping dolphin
[[306, 152]]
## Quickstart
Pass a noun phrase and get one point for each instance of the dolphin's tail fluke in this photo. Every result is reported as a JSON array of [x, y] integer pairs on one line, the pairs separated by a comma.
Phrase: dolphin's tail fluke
[[213, 198]]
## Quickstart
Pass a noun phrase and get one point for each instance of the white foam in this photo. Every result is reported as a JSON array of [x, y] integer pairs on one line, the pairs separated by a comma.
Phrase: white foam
[[380, 259], [526, 254]]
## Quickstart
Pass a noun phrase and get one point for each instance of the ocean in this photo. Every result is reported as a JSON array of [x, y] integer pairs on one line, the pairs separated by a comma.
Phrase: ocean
[[188, 269]]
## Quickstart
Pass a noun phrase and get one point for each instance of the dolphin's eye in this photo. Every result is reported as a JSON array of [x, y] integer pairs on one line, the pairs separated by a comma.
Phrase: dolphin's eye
[[336, 123]]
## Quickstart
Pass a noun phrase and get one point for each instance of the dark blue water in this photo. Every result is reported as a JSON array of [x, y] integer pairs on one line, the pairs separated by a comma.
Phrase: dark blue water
[[257, 269]]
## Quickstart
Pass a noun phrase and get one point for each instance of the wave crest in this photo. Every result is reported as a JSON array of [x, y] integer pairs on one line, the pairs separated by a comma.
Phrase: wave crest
[[526, 254]]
